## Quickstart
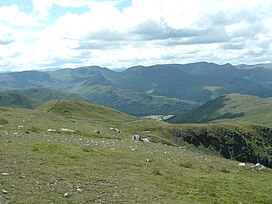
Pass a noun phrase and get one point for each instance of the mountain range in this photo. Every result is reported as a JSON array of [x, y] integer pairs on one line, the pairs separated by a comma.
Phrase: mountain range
[[135, 90]]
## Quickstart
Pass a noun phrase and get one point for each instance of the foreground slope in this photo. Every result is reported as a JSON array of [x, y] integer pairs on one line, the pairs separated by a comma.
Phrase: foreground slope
[[40, 166], [235, 107]]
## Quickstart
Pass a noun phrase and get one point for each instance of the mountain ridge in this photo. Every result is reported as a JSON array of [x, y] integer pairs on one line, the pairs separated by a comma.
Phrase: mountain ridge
[[196, 82]]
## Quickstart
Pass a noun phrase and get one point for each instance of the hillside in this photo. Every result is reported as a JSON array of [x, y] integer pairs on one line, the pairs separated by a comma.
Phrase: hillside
[[10, 99], [52, 154], [32, 97], [231, 107], [81, 109], [45, 94], [135, 103]]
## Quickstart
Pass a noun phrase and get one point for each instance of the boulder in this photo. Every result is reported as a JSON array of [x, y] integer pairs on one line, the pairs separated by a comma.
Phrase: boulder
[[242, 164], [96, 132], [51, 130], [146, 140], [66, 130], [116, 130], [258, 166], [136, 138]]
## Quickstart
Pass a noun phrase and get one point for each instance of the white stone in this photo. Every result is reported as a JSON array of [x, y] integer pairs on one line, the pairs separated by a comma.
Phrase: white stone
[[51, 130], [5, 174], [242, 164], [67, 130], [147, 160], [4, 191], [145, 140], [258, 166], [67, 194], [79, 190]]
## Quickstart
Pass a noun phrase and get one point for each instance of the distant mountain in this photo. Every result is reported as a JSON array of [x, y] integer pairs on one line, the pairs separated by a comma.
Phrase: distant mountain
[[255, 66], [197, 82], [236, 107]]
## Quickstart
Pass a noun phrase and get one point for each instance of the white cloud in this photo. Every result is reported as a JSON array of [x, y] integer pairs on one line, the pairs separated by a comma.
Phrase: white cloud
[[13, 16], [147, 32], [42, 8]]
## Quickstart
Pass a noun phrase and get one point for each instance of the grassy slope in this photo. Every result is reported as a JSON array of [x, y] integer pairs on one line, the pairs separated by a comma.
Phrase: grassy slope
[[81, 109], [236, 107], [112, 169]]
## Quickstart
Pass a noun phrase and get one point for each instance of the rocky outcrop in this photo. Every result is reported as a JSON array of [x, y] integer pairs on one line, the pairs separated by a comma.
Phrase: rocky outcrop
[[245, 145]]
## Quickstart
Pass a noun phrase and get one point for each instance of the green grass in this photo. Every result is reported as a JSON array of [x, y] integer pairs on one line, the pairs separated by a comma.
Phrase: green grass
[[81, 109], [43, 165], [231, 107]]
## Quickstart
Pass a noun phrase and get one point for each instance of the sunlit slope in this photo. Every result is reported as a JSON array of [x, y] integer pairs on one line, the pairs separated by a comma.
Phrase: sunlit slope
[[81, 109], [234, 107]]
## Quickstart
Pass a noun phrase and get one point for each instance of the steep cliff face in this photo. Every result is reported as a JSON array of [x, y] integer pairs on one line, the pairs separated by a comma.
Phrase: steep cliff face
[[250, 144]]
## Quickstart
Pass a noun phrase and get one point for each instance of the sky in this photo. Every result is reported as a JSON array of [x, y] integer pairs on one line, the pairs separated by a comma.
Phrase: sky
[[41, 34]]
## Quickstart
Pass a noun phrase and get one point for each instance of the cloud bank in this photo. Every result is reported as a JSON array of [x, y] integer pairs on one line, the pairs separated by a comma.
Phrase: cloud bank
[[123, 33]]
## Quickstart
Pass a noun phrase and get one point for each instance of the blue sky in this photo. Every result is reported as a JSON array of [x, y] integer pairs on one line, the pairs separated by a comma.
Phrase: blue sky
[[36, 34]]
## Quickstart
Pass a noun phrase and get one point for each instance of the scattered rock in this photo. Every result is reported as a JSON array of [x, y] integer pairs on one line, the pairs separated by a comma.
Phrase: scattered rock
[[258, 166], [116, 130], [51, 130], [4, 191], [96, 132], [67, 194], [5, 174], [79, 189], [136, 137], [146, 140], [1, 126], [66, 130], [147, 160], [20, 126], [242, 164]]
